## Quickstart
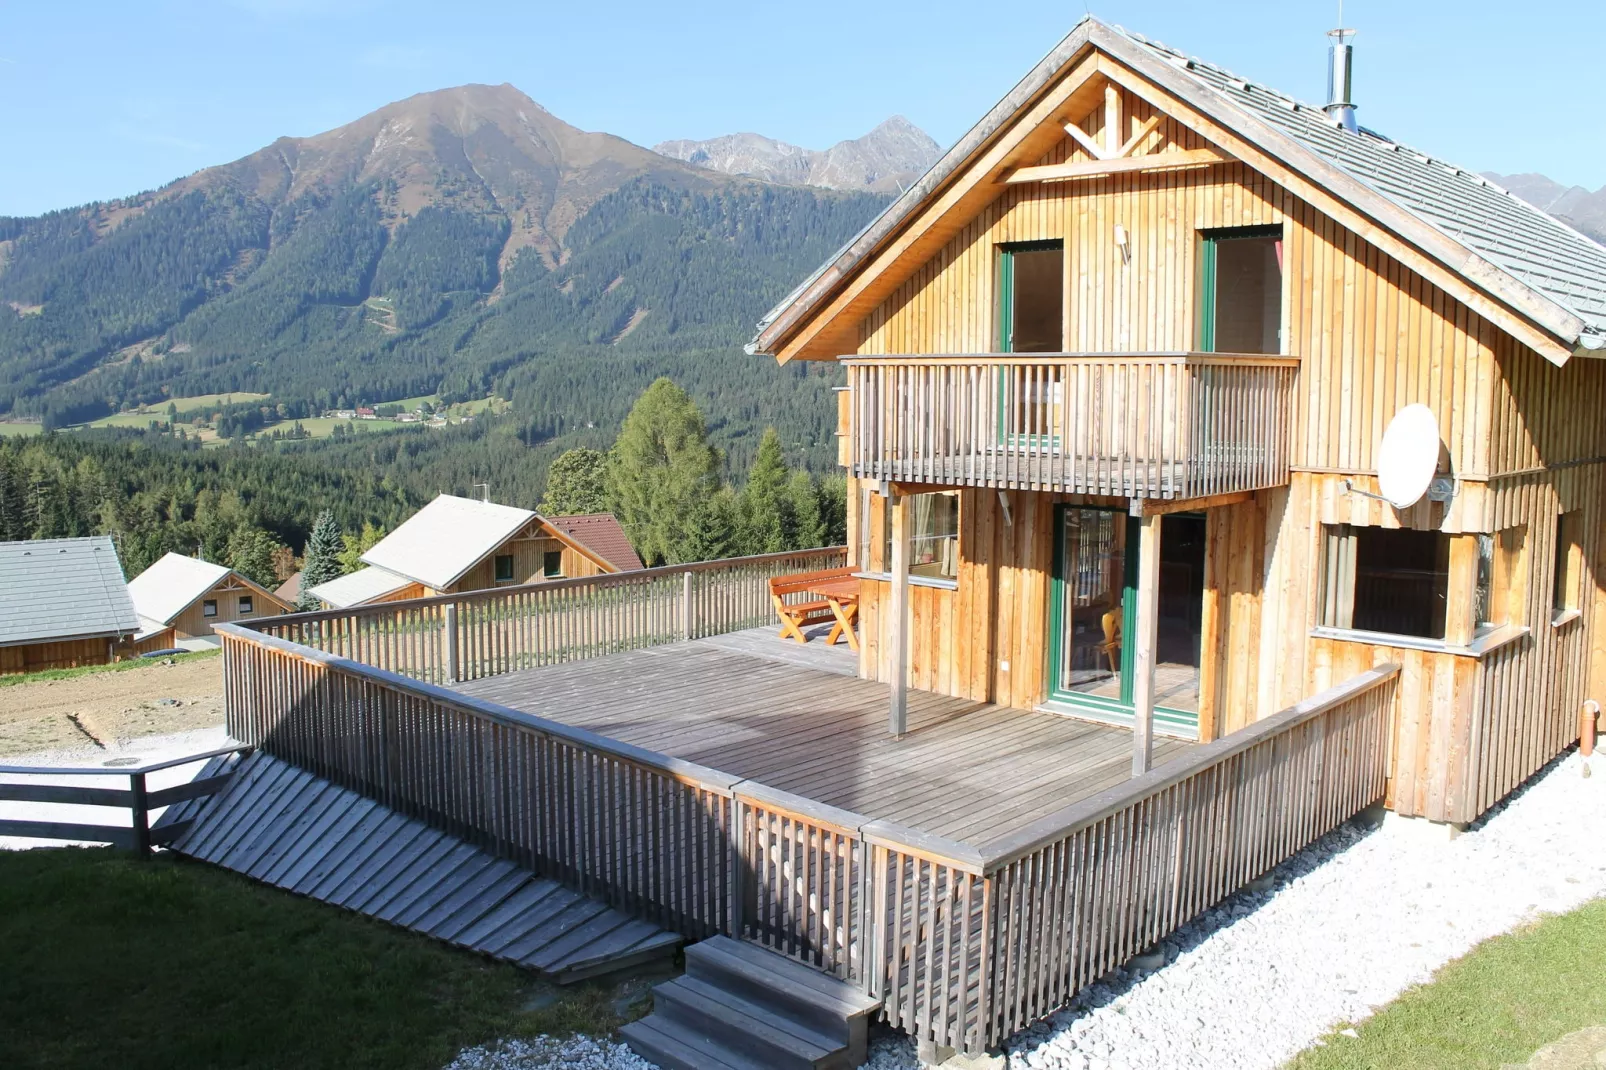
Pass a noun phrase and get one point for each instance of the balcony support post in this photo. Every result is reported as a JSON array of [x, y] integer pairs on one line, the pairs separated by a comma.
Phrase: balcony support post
[[898, 714], [1145, 635]]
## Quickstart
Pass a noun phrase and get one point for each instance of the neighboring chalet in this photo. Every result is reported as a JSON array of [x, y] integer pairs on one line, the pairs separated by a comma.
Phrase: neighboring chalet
[[457, 544], [1118, 368], [63, 603], [189, 596]]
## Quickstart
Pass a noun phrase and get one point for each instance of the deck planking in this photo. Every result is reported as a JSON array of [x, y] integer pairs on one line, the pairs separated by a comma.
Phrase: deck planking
[[799, 719], [279, 824]]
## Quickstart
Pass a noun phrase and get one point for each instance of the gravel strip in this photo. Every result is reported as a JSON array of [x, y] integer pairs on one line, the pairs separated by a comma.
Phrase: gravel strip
[[1350, 923]]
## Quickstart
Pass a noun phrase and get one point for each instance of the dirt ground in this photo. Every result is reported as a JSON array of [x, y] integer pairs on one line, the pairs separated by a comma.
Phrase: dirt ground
[[107, 707]]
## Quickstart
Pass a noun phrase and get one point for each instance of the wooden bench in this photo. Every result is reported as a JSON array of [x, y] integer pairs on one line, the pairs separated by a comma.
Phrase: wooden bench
[[795, 616]]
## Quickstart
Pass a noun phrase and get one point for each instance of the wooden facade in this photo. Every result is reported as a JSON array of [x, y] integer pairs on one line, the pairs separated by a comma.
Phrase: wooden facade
[[68, 654], [1524, 441], [224, 603], [528, 549]]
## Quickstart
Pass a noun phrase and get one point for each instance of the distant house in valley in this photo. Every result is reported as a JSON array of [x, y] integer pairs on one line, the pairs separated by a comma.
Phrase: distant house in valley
[[63, 603], [188, 596], [459, 544]]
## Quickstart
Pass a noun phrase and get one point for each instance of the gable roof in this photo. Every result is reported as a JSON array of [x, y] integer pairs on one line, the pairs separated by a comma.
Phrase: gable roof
[[175, 582], [1526, 271], [58, 589], [360, 587], [446, 538], [600, 536]]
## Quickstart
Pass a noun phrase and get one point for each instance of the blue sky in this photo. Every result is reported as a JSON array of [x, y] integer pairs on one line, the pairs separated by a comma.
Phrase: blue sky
[[96, 102]]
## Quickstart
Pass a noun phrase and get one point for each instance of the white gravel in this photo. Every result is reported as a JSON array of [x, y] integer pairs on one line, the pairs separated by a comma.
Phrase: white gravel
[[1351, 922]]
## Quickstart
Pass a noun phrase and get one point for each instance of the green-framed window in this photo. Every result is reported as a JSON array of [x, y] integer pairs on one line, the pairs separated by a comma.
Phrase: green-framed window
[[1240, 290], [1031, 319]]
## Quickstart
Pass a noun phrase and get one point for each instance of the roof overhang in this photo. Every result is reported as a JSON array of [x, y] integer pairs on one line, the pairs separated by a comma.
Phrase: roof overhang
[[818, 321]]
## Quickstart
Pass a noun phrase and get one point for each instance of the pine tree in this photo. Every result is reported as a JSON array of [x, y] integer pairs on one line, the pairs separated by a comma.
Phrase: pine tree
[[808, 519], [320, 559], [354, 546], [250, 553], [715, 528], [576, 483], [660, 472], [767, 516]]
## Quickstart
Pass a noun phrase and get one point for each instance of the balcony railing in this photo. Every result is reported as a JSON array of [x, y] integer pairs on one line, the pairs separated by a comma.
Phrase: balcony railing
[[1130, 425]]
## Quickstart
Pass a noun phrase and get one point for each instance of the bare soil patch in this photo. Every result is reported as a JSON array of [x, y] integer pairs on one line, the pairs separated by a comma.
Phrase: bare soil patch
[[107, 707]]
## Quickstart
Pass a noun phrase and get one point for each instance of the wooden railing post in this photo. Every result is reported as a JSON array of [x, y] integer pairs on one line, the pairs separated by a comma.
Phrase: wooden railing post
[[449, 644], [138, 803], [898, 715], [687, 630], [1146, 635], [738, 857]]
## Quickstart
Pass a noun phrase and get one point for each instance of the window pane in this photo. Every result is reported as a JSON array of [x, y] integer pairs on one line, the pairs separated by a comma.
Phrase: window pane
[[933, 536], [1039, 301], [1249, 295], [1569, 562], [1401, 581], [1181, 604], [209, 608], [504, 567], [1094, 548], [552, 564], [245, 604]]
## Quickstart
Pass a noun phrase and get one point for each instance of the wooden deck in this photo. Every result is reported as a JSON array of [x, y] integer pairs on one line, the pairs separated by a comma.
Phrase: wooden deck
[[795, 717]]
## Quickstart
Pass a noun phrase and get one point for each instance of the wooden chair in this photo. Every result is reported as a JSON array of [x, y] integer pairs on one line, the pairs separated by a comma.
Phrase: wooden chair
[[1111, 622], [795, 616]]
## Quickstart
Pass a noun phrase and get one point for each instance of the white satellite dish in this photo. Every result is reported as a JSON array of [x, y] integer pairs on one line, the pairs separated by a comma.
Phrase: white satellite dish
[[1408, 457]]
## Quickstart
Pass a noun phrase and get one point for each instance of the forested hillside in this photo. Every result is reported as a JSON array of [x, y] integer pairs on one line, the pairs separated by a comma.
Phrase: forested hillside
[[462, 244]]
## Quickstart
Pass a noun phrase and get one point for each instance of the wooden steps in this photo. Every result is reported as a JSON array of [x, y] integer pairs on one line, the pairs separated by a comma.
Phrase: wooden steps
[[740, 1007], [282, 825]]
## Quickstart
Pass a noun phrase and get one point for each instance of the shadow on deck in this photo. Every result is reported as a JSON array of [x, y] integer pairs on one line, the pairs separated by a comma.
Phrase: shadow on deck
[[797, 718]]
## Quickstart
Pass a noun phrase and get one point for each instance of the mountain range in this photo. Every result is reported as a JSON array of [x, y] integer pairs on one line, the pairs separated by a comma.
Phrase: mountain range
[[886, 160], [1574, 205], [460, 242]]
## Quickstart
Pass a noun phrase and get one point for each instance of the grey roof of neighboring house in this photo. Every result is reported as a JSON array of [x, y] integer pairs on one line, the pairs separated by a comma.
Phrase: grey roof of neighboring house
[[172, 584], [360, 587], [446, 538], [1499, 243], [57, 589]]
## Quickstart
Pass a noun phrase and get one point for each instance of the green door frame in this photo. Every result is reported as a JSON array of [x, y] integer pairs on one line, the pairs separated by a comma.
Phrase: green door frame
[[1006, 330], [1209, 242], [1117, 710]]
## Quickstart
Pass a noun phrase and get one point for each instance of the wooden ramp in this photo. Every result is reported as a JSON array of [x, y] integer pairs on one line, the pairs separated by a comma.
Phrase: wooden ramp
[[284, 826]]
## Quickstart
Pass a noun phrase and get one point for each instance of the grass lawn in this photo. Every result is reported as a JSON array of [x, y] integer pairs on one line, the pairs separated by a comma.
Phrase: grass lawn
[[19, 429], [106, 961], [134, 664], [1506, 999]]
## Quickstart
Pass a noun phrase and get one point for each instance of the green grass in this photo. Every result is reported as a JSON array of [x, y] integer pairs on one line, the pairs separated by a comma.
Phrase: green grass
[[89, 670], [186, 406], [1506, 999], [106, 961], [19, 429]]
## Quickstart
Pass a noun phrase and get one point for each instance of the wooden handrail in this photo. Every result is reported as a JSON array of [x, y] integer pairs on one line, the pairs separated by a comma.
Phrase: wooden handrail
[[1072, 819], [491, 594], [1237, 360]]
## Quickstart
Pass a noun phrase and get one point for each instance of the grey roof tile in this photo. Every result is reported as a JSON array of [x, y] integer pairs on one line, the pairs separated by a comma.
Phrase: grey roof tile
[[56, 589]]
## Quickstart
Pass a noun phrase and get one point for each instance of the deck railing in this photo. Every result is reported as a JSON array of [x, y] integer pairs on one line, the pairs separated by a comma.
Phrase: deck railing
[[469, 636], [1145, 425], [963, 944]]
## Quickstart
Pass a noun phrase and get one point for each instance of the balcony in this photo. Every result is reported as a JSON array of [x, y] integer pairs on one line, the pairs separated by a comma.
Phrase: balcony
[[1129, 425]]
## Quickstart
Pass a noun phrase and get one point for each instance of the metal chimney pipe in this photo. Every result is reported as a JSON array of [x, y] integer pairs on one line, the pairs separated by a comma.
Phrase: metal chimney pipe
[[1340, 72]]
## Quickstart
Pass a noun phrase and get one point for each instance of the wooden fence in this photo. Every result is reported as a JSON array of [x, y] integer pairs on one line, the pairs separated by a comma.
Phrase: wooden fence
[[468, 636], [963, 944], [1150, 425], [138, 835]]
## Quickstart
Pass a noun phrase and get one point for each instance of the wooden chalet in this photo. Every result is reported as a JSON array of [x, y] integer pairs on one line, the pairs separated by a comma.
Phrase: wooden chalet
[[181, 598], [63, 604], [458, 544], [1117, 372], [1135, 623]]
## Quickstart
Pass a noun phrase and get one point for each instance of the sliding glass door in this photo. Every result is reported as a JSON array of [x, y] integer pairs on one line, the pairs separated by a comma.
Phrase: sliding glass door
[[1093, 607]]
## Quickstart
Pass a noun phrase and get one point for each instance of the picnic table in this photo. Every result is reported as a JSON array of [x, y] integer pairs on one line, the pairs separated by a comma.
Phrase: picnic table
[[836, 598]]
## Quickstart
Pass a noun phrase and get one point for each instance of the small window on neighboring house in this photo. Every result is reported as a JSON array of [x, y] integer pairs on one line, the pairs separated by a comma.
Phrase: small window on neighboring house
[[933, 536], [209, 608], [1385, 580], [1241, 291], [245, 605], [504, 568], [552, 564], [1566, 593]]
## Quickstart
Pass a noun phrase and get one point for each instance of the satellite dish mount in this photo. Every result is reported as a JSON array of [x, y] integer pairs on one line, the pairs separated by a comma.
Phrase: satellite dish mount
[[1408, 461]]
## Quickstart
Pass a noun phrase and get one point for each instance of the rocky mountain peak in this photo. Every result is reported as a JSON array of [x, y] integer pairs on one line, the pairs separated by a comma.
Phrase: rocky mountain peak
[[885, 160]]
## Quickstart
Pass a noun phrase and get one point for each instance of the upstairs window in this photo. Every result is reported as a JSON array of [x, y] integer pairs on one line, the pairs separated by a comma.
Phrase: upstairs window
[[246, 607], [1241, 290], [552, 564], [504, 568], [1385, 580], [209, 608], [1031, 297], [1502, 578], [933, 536]]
